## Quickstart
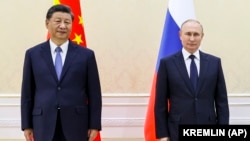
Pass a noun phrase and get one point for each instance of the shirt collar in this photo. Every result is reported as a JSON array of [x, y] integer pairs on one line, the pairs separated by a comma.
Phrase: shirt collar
[[187, 54], [64, 46]]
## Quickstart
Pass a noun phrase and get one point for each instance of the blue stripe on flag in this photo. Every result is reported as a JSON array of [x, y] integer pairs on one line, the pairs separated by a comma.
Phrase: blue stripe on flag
[[170, 42]]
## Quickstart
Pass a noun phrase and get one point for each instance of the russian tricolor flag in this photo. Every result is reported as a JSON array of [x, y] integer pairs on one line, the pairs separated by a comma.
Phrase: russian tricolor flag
[[178, 11]]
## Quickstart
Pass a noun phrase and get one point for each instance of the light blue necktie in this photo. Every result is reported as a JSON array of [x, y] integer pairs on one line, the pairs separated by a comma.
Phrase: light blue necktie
[[58, 62], [193, 72]]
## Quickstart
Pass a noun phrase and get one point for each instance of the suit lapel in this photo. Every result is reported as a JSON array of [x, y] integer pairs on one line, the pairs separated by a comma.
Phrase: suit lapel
[[181, 66], [203, 70], [46, 54], [69, 58]]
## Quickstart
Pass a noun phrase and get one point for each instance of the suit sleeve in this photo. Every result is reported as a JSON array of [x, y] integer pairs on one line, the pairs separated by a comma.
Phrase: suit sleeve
[[221, 99], [94, 94], [27, 91], [161, 106]]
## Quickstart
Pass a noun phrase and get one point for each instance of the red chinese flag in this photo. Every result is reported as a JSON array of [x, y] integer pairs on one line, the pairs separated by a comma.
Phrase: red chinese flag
[[77, 34]]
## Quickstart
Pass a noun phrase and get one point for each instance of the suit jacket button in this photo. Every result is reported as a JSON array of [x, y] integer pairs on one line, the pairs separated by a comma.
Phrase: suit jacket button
[[59, 88]]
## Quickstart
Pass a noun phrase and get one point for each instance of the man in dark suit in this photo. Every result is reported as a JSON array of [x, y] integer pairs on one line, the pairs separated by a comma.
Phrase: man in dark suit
[[64, 106], [204, 102]]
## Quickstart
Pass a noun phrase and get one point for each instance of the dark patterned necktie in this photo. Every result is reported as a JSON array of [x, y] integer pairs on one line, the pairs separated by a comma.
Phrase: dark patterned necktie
[[58, 62], [193, 72]]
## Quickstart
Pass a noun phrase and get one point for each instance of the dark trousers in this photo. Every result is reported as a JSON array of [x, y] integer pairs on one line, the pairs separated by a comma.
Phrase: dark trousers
[[58, 136]]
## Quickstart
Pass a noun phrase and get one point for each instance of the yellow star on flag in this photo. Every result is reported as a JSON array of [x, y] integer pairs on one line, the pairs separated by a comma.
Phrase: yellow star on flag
[[56, 2], [78, 39], [80, 20]]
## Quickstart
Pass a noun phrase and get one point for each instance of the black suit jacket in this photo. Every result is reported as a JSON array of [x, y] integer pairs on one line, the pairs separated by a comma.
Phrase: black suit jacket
[[207, 105], [77, 93]]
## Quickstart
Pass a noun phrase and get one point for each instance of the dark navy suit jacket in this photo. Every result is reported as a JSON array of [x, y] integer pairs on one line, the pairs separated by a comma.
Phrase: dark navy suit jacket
[[207, 105], [77, 93]]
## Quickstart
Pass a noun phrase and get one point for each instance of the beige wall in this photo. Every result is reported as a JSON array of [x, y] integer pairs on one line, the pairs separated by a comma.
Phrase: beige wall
[[125, 35]]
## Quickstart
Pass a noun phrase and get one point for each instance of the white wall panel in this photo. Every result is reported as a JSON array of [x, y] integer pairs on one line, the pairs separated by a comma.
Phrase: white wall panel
[[123, 115]]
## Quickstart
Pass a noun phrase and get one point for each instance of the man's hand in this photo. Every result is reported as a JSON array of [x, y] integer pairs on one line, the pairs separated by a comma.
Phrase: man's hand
[[92, 133], [164, 139], [28, 134]]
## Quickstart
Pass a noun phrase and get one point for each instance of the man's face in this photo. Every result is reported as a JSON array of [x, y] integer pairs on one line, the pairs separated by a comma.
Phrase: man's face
[[59, 26], [191, 35]]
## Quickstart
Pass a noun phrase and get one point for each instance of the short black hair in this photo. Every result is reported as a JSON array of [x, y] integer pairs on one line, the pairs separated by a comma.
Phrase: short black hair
[[59, 8]]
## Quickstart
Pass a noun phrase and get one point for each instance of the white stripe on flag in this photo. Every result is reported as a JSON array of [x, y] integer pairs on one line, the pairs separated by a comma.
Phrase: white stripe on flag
[[181, 10]]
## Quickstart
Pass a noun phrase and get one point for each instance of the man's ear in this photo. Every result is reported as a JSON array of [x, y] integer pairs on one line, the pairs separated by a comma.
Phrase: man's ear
[[202, 35], [180, 34], [46, 23]]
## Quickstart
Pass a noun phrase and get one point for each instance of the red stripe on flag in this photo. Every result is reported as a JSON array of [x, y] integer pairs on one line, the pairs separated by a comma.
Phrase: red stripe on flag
[[149, 126]]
